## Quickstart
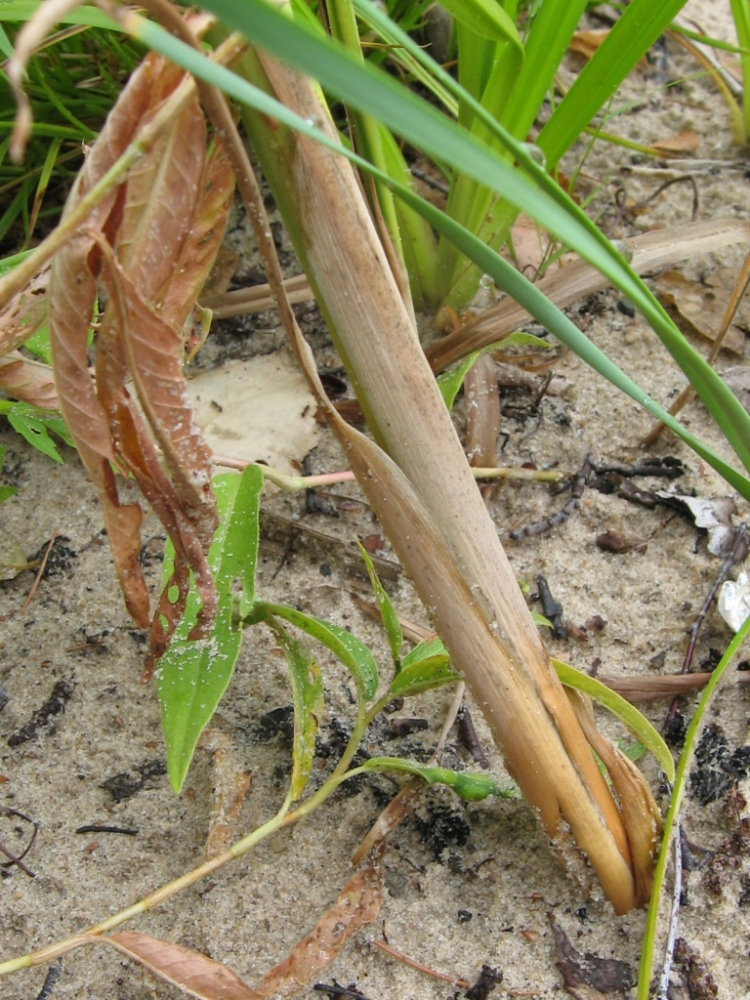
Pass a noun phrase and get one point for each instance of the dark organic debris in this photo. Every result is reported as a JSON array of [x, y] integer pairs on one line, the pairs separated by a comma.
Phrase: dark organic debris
[[53, 974], [717, 767], [442, 827], [608, 975], [126, 784], [488, 979], [336, 992], [699, 981], [551, 609], [128, 831], [54, 705], [59, 560]]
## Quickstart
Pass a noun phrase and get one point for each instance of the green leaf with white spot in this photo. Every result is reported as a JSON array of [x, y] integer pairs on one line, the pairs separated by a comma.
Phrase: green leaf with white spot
[[192, 675]]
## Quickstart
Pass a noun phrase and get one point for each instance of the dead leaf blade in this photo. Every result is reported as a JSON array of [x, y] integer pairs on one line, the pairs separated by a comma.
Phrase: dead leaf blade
[[182, 967], [358, 904]]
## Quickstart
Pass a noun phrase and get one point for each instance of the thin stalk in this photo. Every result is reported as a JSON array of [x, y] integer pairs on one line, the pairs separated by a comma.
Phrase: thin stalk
[[741, 15], [670, 824]]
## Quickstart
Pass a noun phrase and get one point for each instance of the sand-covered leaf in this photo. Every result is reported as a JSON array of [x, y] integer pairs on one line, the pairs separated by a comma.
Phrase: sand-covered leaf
[[352, 652], [193, 674]]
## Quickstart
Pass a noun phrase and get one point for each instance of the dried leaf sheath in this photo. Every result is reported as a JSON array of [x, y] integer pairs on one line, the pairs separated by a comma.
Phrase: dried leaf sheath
[[428, 502], [162, 226]]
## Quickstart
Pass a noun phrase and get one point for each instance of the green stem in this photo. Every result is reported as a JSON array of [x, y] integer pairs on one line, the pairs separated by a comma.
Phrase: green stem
[[649, 935]]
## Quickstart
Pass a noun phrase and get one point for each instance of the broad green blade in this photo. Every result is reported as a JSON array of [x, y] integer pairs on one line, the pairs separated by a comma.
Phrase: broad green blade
[[192, 676]]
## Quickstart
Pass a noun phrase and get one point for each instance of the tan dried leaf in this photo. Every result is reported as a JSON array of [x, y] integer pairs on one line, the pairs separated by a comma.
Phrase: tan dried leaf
[[586, 43], [31, 381], [677, 145], [184, 968], [699, 308], [358, 904], [26, 313]]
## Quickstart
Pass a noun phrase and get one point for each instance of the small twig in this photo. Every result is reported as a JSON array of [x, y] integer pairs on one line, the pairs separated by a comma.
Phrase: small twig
[[738, 547], [662, 991], [469, 737], [464, 984], [53, 974], [551, 609], [576, 492], [39, 574], [13, 860]]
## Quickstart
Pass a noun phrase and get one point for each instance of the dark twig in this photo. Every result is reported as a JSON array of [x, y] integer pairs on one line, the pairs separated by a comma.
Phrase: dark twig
[[578, 485], [53, 974], [737, 551], [13, 859], [128, 831], [551, 608], [469, 737]]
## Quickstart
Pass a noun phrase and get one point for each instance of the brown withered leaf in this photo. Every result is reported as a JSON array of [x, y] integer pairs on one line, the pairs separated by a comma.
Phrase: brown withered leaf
[[586, 43], [358, 904], [184, 968], [151, 243], [31, 381], [605, 975], [676, 145], [24, 314], [699, 309]]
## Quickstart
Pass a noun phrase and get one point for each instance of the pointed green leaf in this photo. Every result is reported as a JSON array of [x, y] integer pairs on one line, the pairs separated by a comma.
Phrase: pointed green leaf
[[628, 715], [307, 693], [423, 675], [387, 611], [484, 17], [352, 652], [192, 676]]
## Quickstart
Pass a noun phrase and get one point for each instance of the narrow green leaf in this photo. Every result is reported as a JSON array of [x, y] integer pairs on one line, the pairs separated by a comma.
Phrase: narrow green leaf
[[192, 676], [5, 491], [423, 675], [352, 652], [307, 694], [423, 650], [387, 611], [484, 17], [467, 784], [628, 715]]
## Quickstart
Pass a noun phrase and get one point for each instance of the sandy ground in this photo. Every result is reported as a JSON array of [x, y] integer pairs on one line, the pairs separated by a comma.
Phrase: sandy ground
[[466, 885]]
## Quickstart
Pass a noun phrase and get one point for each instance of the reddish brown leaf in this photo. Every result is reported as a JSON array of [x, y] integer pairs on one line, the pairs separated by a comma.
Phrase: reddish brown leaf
[[358, 904], [182, 967], [31, 381], [25, 314], [163, 224]]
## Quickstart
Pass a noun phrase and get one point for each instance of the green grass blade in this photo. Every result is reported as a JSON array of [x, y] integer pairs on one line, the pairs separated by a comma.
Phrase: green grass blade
[[628, 715], [387, 612], [678, 791], [424, 675], [639, 26], [192, 676]]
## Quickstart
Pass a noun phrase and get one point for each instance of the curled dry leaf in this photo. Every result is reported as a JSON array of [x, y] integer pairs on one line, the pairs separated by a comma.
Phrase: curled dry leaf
[[358, 904], [184, 968], [150, 242], [31, 381], [24, 314]]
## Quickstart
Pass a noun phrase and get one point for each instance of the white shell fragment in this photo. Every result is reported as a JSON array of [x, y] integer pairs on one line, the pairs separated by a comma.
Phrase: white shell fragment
[[734, 601]]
